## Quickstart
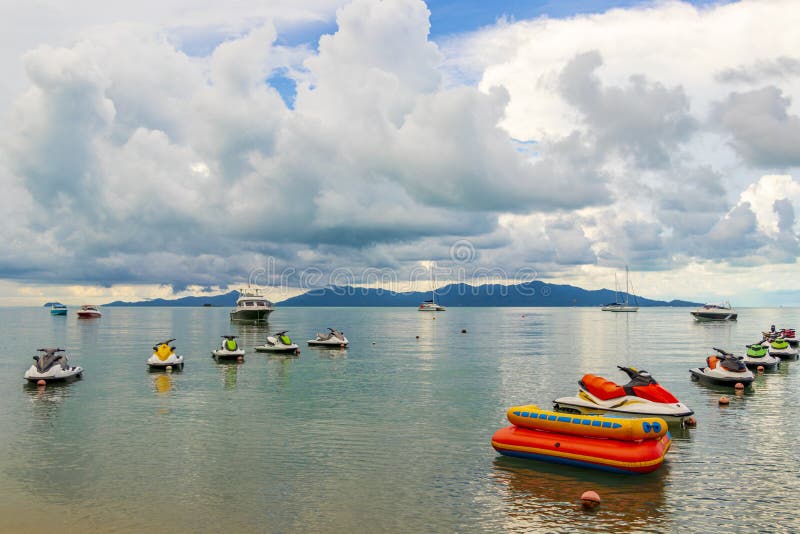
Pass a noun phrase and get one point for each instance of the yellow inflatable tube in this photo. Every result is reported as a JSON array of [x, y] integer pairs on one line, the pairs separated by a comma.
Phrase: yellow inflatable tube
[[530, 416]]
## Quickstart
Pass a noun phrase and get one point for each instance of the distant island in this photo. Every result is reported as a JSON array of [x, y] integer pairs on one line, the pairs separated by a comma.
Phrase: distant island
[[528, 294]]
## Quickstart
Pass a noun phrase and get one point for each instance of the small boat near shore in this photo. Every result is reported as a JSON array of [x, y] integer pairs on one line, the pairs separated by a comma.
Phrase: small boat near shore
[[715, 312], [252, 306], [89, 311], [58, 309]]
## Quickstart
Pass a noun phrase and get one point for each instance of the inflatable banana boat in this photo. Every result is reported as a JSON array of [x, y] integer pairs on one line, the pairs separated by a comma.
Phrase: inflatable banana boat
[[612, 444]]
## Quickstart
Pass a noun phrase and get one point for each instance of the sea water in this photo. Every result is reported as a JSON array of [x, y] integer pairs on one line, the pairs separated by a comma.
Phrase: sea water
[[390, 435]]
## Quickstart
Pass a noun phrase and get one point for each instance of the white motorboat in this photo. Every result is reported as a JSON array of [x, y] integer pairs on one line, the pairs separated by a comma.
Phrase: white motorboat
[[230, 348], [88, 311], [164, 356], [279, 342], [619, 305], [333, 338], [252, 306], [52, 366], [715, 312]]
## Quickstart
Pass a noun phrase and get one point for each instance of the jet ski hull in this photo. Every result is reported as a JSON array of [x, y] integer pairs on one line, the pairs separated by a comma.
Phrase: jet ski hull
[[328, 343], [279, 349], [53, 375], [581, 406], [154, 362], [221, 353], [784, 354], [721, 380], [767, 362]]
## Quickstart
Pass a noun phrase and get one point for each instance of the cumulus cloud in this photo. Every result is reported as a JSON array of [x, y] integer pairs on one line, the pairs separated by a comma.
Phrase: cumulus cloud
[[133, 161], [762, 129], [644, 120], [781, 67]]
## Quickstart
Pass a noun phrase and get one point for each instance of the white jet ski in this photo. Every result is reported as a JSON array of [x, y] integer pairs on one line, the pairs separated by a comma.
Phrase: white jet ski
[[757, 355], [280, 342], [780, 348], [230, 348], [642, 396], [164, 356], [333, 338], [724, 371], [51, 366]]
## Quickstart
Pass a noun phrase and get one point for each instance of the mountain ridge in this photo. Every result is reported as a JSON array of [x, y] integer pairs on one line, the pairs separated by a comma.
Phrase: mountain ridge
[[527, 294]]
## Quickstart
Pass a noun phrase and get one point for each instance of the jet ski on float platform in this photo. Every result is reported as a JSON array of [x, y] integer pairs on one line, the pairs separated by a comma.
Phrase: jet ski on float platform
[[642, 396]]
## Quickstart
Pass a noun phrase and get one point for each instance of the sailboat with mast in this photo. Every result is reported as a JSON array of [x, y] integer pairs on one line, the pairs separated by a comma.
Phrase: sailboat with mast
[[431, 305], [618, 305]]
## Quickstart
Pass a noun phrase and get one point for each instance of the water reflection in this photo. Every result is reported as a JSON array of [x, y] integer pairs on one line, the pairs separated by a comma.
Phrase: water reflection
[[545, 497], [250, 334], [162, 383], [229, 369], [329, 353], [47, 396]]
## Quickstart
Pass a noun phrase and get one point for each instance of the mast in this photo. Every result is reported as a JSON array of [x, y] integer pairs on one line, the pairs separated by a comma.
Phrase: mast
[[626, 285], [433, 285]]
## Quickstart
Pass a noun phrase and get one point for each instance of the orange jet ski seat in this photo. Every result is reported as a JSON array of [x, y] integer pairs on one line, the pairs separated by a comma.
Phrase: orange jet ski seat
[[601, 388]]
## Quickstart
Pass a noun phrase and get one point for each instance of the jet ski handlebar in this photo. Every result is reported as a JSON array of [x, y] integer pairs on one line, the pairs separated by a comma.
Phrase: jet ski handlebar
[[723, 352], [631, 372], [50, 350]]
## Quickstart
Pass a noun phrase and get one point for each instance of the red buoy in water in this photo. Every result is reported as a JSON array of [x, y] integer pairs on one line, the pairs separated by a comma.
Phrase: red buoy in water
[[41, 383], [724, 401], [690, 421], [590, 499], [738, 385], [760, 368]]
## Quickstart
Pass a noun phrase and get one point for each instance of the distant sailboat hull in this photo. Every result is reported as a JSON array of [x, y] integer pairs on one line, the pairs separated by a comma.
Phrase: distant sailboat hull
[[620, 308]]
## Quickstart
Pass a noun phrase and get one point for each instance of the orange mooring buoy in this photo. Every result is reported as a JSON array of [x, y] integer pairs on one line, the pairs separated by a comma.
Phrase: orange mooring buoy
[[590, 499], [724, 401]]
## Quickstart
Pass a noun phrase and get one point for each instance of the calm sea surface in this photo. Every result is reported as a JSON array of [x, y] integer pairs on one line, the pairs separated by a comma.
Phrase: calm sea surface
[[389, 435]]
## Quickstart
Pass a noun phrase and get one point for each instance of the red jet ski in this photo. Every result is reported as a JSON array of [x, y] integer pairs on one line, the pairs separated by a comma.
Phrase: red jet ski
[[642, 396]]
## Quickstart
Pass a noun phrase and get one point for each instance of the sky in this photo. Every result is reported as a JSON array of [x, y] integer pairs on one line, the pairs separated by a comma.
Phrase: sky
[[176, 147]]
